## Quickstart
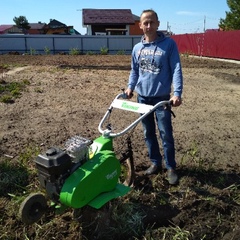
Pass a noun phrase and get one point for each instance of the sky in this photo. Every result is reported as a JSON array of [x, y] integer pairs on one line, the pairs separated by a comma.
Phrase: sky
[[178, 16]]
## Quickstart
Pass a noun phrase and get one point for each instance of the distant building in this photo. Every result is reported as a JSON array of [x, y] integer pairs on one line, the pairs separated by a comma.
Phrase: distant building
[[134, 29], [10, 29], [213, 30], [110, 22], [54, 27], [5, 28], [36, 28]]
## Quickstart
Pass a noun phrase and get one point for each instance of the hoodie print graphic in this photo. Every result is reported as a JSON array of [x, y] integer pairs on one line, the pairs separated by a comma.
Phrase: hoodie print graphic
[[147, 62]]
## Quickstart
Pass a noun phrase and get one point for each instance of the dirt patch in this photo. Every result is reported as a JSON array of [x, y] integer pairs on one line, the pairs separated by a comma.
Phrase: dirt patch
[[13, 71], [69, 95]]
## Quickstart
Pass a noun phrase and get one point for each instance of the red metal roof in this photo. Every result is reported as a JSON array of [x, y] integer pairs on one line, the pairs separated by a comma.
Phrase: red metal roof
[[107, 16], [32, 25], [5, 27]]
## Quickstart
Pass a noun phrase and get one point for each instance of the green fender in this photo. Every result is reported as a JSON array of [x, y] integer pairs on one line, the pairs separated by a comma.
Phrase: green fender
[[98, 175]]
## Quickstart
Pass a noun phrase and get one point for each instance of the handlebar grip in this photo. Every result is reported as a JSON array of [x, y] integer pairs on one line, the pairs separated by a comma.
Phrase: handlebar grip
[[124, 96]]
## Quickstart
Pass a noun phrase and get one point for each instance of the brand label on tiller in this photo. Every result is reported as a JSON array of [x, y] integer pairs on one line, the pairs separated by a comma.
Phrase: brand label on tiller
[[111, 175], [130, 107]]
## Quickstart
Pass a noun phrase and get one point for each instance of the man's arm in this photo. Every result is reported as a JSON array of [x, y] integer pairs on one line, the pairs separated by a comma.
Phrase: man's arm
[[133, 77], [177, 77]]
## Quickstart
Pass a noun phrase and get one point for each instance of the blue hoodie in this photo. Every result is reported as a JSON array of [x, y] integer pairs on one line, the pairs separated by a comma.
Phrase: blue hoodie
[[155, 67]]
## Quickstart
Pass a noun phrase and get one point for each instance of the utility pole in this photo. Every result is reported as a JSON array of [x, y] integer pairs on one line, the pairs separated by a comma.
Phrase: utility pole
[[204, 24], [168, 28]]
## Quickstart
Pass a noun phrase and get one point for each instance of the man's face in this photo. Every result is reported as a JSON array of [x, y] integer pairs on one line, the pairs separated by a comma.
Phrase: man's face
[[149, 23]]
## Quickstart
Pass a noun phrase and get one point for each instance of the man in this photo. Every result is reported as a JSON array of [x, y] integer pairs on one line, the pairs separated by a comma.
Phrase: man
[[155, 69]]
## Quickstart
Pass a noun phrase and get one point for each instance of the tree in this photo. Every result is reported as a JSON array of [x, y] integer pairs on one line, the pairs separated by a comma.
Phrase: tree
[[22, 22], [232, 20]]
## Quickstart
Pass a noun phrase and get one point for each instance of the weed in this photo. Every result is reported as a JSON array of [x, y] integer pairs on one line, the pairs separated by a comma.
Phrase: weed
[[38, 90], [175, 233], [26, 82], [193, 158], [47, 50], [6, 99], [12, 178], [120, 52], [103, 50], [74, 51], [187, 54], [135, 195], [33, 51], [90, 53], [234, 192], [129, 220], [16, 92], [27, 155], [157, 182], [12, 90]]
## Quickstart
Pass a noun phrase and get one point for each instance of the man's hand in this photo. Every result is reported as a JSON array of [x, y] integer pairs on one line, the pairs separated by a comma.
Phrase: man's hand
[[129, 93], [177, 101]]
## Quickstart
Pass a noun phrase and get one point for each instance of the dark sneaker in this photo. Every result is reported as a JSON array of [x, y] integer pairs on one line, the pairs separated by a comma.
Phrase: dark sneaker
[[172, 176], [153, 169]]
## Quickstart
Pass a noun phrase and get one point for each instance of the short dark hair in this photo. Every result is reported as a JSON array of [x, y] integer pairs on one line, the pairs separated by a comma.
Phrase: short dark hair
[[149, 11]]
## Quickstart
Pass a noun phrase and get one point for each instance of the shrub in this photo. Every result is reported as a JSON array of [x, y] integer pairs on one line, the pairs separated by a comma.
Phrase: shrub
[[74, 51], [103, 50]]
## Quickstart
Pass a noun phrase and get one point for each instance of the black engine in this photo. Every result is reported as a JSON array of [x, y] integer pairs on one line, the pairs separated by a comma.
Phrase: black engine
[[55, 165]]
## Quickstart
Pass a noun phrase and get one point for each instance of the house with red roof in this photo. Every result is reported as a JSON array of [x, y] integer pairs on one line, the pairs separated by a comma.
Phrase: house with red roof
[[9, 29], [110, 22], [35, 28], [53, 27]]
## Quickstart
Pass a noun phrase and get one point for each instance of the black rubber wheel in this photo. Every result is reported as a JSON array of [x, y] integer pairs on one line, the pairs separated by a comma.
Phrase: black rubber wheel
[[32, 208], [127, 172]]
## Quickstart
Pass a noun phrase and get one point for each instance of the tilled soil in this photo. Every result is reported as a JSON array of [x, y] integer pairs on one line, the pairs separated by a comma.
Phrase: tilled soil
[[69, 95]]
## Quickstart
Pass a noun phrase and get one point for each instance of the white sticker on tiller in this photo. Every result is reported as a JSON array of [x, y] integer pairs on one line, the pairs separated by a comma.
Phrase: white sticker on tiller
[[132, 106]]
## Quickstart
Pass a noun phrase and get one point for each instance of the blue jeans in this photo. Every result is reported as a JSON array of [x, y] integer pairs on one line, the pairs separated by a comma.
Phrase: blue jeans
[[164, 124]]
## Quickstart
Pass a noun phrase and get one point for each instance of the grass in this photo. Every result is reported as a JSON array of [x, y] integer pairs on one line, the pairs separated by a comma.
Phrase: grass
[[193, 158], [9, 91], [14, 175], [176, 233], [13, 178], [129, 219], [125, 217]]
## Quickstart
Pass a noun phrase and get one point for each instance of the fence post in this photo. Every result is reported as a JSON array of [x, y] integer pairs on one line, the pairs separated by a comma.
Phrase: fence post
[[25, 42], [203, 37]]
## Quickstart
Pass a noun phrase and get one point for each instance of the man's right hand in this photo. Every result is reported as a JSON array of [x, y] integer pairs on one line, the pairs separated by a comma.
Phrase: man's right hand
[[129, 93]]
